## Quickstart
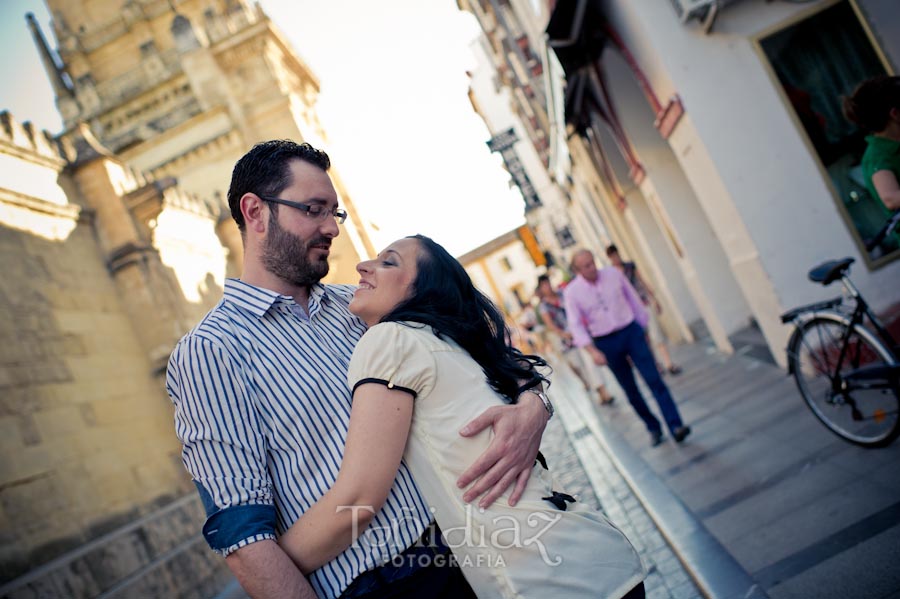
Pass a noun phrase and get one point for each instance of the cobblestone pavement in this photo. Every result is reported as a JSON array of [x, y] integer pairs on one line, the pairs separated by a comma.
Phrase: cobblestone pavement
[[587, 473]]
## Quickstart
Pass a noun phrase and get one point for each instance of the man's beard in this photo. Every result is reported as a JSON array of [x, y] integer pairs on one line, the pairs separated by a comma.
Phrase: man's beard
[[286, 256]]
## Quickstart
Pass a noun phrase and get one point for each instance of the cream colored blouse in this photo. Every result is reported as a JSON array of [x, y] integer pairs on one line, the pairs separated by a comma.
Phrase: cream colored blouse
[[530, 550]]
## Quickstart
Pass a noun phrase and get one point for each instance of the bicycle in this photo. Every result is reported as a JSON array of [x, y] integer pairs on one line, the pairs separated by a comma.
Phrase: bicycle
[[848, 375]]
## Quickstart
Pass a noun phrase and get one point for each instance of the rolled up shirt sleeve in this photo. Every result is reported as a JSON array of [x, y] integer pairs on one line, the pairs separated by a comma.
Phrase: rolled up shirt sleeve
[[224, 448]]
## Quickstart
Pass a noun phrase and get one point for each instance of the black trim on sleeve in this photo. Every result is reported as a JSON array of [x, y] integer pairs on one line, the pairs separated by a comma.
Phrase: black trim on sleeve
[[387, 384]]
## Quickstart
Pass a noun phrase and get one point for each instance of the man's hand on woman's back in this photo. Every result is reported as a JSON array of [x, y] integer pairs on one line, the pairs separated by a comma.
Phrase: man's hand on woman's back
[[509, 458]]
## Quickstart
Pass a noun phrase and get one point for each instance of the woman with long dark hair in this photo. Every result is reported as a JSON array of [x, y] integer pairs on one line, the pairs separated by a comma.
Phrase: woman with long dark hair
[[437, 353]]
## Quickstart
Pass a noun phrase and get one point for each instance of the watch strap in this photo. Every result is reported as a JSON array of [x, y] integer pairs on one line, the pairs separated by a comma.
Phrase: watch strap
[[548, 405]]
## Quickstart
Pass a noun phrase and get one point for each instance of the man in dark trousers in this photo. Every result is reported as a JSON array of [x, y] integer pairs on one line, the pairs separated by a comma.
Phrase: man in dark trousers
[[608, 318]]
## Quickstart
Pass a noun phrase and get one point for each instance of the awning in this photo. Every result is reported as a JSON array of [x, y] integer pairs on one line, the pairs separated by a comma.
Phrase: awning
[[576, 33], [577, 36]]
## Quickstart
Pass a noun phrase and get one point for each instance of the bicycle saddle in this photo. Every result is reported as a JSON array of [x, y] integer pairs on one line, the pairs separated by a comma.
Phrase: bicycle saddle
[[829, 272]]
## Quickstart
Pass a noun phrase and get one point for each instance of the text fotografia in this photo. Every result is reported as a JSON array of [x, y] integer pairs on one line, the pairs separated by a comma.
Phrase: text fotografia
[[480, 560], [498, 533]]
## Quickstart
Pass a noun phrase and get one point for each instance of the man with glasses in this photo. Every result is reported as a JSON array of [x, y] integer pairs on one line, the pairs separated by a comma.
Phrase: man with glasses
[[262, 403]]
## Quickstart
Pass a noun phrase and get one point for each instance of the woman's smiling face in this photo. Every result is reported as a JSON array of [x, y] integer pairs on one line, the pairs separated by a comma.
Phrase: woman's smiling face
[[385, 281]]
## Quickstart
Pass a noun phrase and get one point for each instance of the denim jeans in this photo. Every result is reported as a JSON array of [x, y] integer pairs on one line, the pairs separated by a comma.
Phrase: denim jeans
[[629, 342]]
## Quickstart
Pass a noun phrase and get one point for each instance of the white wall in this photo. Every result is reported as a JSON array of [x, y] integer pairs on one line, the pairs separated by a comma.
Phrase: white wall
[[758, 152], [479, 277], [664, 272], [671, 203], [590, 230], [882, 18]]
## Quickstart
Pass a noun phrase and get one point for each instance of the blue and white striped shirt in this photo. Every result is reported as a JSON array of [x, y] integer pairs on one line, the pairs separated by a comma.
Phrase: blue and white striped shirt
[[262, 407]]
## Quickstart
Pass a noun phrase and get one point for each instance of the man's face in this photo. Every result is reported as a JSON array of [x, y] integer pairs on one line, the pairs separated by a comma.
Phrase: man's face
[[296, 246], [614, 258], [585, 266]]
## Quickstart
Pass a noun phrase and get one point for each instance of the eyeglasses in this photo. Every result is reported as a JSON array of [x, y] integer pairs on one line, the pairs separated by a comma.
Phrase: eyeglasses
[[313, 211]]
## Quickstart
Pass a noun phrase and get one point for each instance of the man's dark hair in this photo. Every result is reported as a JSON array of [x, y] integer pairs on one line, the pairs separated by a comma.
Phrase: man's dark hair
[[542, 279], [265, 170], [870, 104], [445, 299], [612, 249]]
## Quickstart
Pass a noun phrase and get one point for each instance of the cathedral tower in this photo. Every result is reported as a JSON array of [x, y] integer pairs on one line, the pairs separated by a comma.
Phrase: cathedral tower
[[183, 88]]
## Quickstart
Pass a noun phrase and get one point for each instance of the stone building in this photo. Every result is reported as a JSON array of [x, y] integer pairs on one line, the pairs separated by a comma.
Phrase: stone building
[[114, 241]]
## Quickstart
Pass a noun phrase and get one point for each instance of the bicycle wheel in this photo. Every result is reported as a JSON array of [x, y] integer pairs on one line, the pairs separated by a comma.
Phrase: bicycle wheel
[[866, 417]]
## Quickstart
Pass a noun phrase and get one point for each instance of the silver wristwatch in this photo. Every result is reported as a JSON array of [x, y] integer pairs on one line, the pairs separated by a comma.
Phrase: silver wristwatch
[[544, 400]]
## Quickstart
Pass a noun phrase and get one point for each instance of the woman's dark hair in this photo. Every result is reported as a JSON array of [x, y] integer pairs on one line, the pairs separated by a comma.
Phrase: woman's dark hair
[[871, 102], [445, 299]]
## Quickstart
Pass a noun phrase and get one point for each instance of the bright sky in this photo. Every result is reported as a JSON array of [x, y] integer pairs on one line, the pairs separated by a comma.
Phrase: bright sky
[[393, 102]]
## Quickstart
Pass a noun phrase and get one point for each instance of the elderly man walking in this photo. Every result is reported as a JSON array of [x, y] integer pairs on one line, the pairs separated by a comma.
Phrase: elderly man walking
[[608, 318]]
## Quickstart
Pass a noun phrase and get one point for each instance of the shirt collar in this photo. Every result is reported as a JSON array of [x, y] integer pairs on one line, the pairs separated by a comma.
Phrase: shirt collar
[[585, 282], [258, 300]]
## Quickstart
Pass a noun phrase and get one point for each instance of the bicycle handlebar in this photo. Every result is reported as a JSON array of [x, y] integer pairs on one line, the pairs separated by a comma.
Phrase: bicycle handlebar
[[886, 230]]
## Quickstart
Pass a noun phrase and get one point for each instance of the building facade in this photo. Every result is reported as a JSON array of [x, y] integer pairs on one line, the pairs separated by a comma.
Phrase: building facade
[[116, 239], [709, 138], [506, 269]]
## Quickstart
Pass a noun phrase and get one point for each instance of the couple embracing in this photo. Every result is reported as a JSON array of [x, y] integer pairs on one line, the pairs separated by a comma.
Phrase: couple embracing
[[333, 432]]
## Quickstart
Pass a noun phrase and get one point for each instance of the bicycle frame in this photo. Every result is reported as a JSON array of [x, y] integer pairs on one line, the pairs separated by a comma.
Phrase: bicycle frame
[[857, 318]]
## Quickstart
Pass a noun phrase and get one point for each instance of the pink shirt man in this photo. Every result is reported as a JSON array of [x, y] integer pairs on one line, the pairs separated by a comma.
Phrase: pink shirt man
[[600, 307]]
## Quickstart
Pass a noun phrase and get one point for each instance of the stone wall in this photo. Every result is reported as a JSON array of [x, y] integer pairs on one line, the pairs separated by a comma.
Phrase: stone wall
[[159, 555], [85, 429]]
